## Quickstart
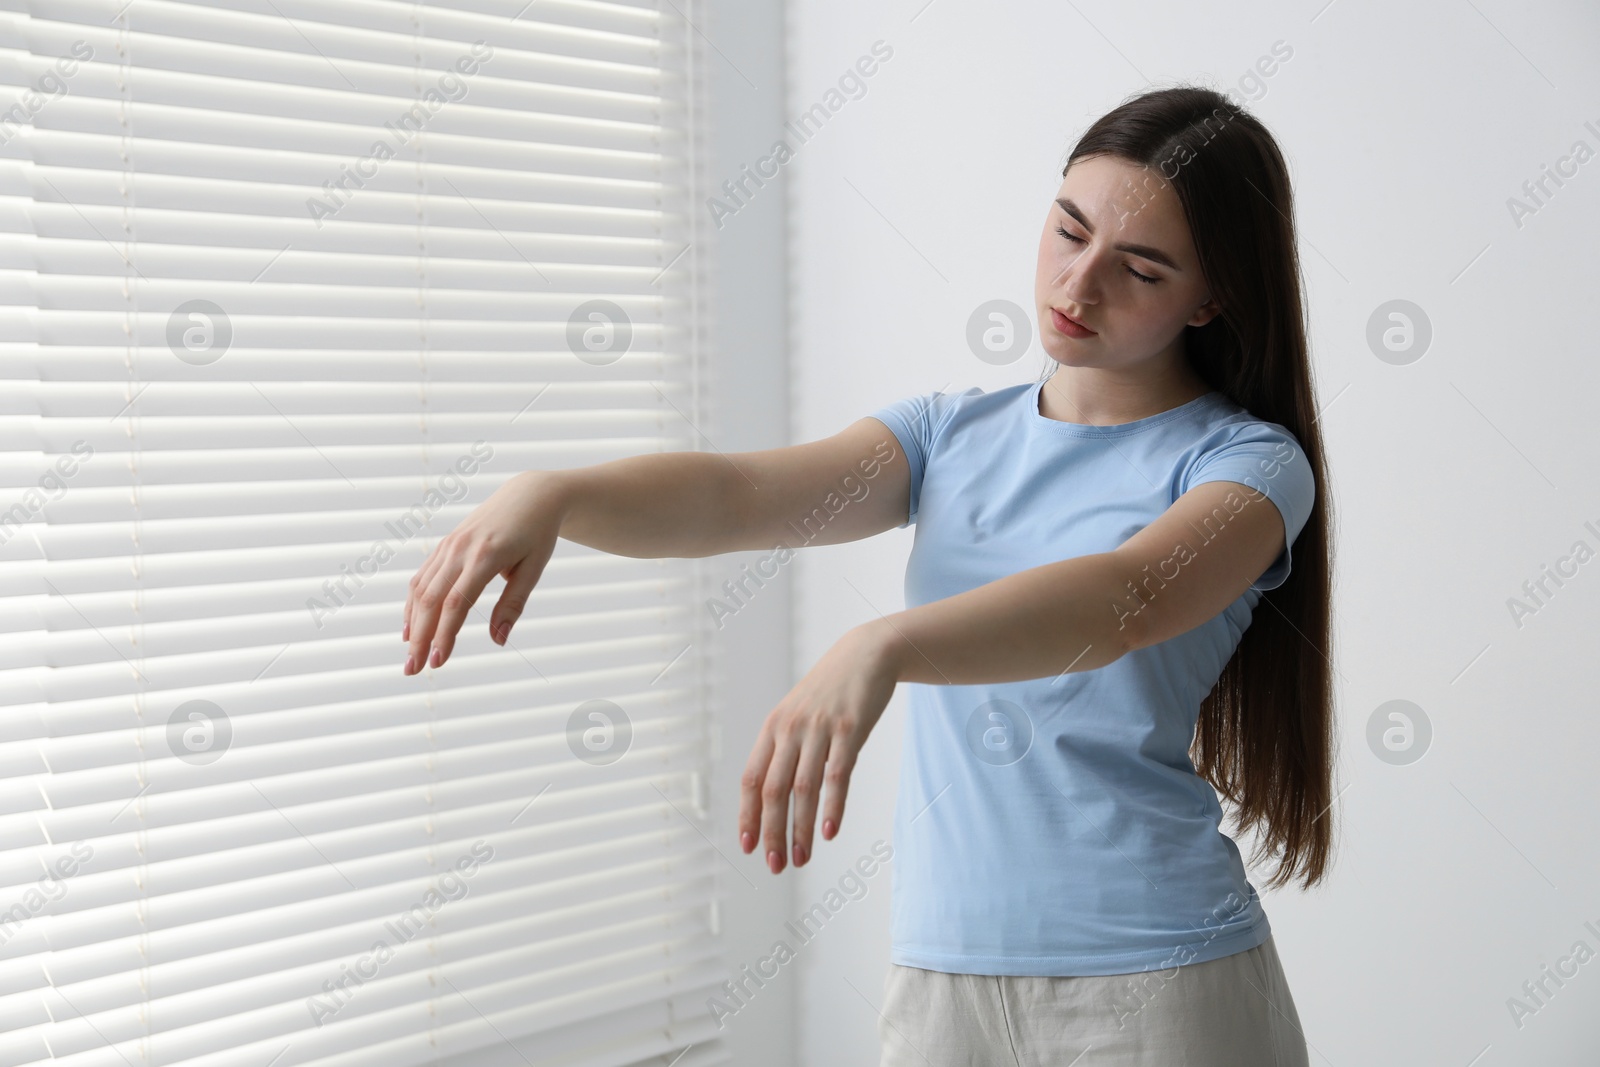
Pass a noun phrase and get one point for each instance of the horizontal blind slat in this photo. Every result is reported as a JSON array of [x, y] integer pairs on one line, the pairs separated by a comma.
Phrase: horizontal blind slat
[[398, 229]]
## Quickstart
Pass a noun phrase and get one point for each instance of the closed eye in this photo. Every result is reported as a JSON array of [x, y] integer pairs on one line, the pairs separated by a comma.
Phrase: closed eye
[[1143, 278]]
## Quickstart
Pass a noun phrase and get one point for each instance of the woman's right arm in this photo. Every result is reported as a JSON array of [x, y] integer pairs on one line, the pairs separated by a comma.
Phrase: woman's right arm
[[678, 504]]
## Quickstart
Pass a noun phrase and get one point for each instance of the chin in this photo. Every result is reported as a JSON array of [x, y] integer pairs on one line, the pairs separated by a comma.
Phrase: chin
[[1064, 351]]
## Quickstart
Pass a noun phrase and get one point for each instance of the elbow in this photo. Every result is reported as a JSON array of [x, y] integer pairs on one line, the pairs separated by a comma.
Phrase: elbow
[[1131, 621], [1128, 634]]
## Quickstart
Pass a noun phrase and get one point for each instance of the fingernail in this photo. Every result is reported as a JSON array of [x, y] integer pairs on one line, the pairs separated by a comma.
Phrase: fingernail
[[747, 841], [828, 829], [433, 657], [405, 631], [411, 664], [773, 860], [799, 854]]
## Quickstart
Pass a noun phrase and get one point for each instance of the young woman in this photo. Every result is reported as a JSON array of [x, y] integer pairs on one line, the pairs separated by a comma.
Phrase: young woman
[[1091, 668]]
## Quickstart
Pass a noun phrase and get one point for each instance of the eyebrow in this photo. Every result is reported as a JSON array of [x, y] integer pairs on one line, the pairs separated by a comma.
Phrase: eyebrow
[[1155, 255]]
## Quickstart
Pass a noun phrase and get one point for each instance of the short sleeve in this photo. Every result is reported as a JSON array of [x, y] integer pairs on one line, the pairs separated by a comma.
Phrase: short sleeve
[[916, 422], [1267, 458]]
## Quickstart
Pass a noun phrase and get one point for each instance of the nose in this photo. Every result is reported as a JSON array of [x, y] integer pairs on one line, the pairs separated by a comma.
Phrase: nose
[[1080, 277]]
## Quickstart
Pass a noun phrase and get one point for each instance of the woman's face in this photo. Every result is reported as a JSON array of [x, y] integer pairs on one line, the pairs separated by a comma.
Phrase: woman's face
[[1126, 268]]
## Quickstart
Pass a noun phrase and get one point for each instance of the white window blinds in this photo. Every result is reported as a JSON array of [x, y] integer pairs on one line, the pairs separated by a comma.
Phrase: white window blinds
[[287, 287]]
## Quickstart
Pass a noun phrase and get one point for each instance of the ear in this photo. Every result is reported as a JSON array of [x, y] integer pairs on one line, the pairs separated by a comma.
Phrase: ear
[[1204, 313]]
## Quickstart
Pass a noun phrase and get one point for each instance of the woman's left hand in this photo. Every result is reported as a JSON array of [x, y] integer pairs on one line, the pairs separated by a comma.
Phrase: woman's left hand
[[810, 739]]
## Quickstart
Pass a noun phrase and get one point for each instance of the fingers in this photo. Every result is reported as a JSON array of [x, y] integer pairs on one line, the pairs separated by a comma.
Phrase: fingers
[[443, 604], [425, 614], [520, 581], [458, 600], [809, 766], [775, 801], [508, 609], [512, 534], [750, 783], [423, 610], [807, 785], [836, 783], [419, 582]]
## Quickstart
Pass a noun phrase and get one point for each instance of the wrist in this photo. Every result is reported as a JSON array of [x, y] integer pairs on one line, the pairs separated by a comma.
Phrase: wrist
[[885, 645], [556, 491]]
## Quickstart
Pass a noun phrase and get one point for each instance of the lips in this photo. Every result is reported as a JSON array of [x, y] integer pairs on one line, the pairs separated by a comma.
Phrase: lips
[[1076, 322]]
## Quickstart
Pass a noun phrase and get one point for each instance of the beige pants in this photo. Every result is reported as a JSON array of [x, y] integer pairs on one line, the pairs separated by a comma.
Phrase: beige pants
[[1235, 1011]]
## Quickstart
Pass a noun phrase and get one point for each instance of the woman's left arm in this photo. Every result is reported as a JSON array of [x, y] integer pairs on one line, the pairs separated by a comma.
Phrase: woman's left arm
[[1074, 615]]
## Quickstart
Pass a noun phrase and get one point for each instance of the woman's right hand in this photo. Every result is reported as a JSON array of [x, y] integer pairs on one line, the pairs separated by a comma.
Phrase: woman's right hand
[[512, 534]]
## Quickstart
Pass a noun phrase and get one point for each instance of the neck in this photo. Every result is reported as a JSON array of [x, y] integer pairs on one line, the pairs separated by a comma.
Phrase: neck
[[1092, 397]]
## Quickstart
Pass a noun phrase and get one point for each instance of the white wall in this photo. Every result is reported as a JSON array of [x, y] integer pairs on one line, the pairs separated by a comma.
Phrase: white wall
[[1407, 128], [749, 402]]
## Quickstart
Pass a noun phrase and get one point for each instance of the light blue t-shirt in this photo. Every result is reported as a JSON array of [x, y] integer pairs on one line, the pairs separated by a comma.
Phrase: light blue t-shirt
[[1056, 826]]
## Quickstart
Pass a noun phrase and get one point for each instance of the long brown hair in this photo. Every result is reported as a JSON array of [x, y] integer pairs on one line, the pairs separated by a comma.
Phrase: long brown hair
[[1264, 739]]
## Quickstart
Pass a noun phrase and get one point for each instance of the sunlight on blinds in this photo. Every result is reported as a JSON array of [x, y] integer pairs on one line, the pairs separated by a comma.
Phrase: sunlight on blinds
[[289, 288]]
